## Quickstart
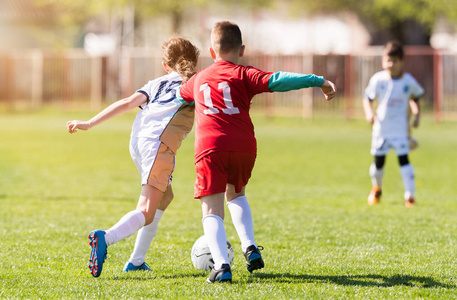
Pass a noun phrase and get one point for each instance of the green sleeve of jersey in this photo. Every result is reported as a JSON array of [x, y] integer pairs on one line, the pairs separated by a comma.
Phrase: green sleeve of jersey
[[180, 99], [286, 81]]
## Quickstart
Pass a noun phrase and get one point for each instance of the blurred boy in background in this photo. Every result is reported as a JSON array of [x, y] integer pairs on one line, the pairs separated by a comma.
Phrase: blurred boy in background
[[395, 92]]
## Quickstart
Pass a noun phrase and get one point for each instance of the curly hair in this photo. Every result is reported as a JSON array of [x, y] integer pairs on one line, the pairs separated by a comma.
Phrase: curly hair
[[181, 56]]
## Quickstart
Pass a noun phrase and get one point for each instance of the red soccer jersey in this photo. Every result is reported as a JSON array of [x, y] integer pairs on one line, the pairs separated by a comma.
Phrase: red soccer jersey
[[222, 95]]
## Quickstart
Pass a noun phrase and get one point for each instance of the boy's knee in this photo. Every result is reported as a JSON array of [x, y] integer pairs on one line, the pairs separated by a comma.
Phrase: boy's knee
[[403, 160], [379, 161]]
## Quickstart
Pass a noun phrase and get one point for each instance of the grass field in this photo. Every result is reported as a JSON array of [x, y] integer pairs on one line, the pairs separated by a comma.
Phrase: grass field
[[308, 196]]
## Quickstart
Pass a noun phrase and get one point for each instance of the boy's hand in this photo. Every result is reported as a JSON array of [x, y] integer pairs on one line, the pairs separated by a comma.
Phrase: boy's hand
[[369, 118], [329, 89], [76, 124]]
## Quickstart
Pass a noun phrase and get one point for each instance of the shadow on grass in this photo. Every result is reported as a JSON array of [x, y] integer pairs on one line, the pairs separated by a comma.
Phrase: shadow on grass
[[347, 280], [359, 280]]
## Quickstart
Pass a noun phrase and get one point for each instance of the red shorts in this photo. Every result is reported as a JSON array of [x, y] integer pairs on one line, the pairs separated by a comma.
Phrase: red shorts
[[217, 169]]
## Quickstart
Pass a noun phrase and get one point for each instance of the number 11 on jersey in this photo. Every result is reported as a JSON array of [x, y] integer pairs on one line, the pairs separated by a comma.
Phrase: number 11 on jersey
[[229, 108]]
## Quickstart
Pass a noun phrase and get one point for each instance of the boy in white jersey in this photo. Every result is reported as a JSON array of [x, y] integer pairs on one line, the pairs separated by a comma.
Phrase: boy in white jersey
[[395, 91], [157, 133]]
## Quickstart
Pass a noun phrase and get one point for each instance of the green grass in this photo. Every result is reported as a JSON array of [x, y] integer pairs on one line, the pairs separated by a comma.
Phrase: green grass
[[308, 196]]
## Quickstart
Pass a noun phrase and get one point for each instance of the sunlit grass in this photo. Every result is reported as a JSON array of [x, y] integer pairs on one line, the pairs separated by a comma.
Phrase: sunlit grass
[[308, 196]]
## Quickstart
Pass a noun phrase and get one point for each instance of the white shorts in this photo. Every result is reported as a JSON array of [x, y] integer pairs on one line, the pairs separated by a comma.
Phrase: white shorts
[[381, 146], [154, 160]]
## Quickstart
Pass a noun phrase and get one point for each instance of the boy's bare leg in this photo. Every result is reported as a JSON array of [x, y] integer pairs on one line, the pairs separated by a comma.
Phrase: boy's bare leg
[[213, 205]]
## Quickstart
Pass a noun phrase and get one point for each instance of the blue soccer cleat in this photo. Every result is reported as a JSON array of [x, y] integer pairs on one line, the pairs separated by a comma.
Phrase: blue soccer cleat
[[224, 274], [131, 267], [98, 252], [253, 257]]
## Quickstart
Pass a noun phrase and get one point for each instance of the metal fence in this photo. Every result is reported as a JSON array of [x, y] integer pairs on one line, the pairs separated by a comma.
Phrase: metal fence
[[33, 79]]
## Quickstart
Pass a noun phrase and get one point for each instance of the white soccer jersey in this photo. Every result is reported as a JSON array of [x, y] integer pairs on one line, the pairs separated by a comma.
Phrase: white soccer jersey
[[162, 119], [393, 101], [161, 107]]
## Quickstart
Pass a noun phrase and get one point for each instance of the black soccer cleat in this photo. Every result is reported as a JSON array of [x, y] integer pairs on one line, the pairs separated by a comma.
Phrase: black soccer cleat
[[253, 257], [224, 274]]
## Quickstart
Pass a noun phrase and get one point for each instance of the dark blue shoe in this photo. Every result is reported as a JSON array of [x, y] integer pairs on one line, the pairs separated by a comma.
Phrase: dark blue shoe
[[254, 259], [131, 267], [224, 274], [98, 252]]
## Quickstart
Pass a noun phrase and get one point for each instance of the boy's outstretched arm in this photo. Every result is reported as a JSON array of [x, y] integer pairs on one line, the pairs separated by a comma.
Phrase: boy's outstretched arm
[[415, 109], [287, 81], [369, 115], [115, 109]]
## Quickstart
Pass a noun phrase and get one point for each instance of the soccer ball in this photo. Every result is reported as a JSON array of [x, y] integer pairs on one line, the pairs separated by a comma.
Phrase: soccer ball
[[201, 256]]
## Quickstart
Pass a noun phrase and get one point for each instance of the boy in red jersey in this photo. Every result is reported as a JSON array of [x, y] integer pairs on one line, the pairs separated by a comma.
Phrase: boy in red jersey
[[225, 145]]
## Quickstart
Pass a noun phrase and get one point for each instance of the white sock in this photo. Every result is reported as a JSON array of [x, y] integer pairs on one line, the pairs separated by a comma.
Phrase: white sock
[[242, 220], [143, 240], [407, 174], [127, 225], [213, 226], [376, 175]]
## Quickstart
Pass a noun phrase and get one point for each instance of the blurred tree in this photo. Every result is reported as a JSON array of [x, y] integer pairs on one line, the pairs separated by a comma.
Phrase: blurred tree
[[77, 12], [118, 17], [409, 21]]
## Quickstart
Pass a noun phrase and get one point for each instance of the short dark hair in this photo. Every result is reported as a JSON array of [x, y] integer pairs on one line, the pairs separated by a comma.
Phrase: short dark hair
[[394, 48], [226, 37]]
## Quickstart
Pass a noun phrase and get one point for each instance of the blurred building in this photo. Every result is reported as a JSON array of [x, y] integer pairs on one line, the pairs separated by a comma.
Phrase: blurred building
[[25, 24], [268, 31], [271, 33]]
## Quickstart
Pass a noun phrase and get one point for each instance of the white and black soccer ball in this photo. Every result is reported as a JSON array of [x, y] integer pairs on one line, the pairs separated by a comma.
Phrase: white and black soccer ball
[[201, 256]]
